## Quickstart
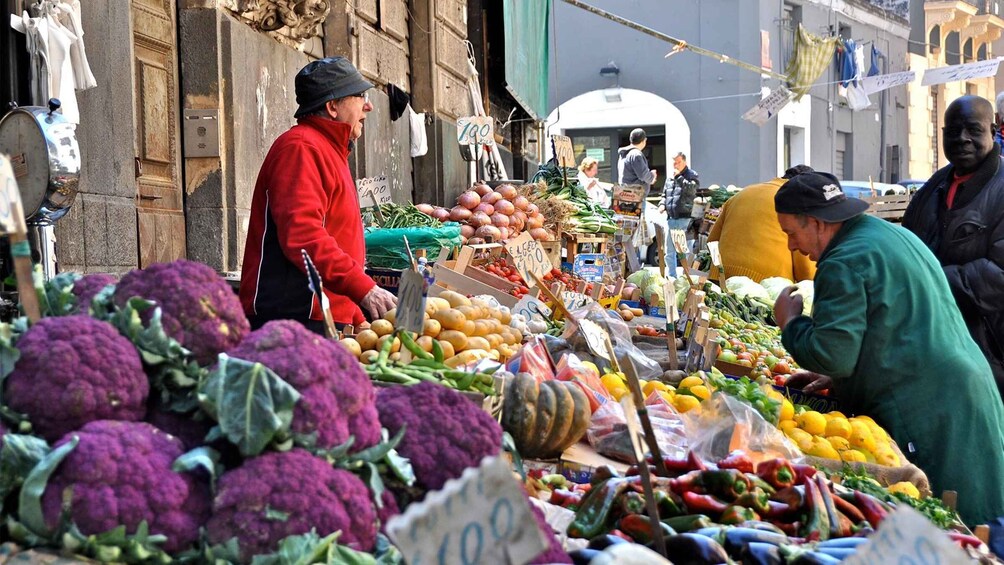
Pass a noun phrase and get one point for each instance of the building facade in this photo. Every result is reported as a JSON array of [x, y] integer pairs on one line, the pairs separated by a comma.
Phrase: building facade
[[596, 57]]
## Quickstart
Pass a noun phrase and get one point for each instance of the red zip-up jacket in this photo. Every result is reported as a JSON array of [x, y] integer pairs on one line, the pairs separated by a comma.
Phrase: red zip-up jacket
[[305, 198]]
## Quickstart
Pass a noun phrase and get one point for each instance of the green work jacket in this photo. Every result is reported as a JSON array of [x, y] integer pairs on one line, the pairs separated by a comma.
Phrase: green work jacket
[[886, 328]]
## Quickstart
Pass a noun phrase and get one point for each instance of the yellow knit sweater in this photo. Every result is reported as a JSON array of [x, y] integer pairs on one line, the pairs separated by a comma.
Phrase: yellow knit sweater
[[750, 239]]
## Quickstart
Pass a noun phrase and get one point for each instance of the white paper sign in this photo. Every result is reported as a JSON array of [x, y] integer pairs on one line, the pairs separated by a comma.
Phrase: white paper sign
[[528, 306], [475, 130], [878, 83], [528, 256], [595, 338], [679, 238], [955, 73], [411, 301], [11, 210], [574, 299], [907, 537], [373, 191], [563, 150], [716, 256], [482, 517], [768, 107]]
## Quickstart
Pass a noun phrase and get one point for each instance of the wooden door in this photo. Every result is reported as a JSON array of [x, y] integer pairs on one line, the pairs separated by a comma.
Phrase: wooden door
[[159, 204]]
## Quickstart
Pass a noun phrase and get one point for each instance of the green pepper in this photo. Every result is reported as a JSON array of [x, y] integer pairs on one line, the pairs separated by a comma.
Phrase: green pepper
[[668, 502], [736, 514], [688, 523], [763, 485], [756, 499], [596, 508], [725, 483], [631, 502]]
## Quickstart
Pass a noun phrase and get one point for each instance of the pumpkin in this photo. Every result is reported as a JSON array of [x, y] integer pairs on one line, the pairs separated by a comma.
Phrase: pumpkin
[[544, 418]]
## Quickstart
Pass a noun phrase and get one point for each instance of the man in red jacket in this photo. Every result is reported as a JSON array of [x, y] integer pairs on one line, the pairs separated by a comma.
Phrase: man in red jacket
[[305, 198]]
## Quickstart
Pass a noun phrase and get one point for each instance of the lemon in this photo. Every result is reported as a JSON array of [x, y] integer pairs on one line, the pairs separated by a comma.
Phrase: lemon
[[861, 436], [852, 456], [700, 391], [887, 457], [611, 381], [684, 403], [839, 443], [591, 366], [786, 426], [690, 382], [652, 386], [787, 411], [838, 427], [822, 448], [906, 488], [667, 396], [835, 414], [618, 392], [771, 392], [868, 455], [812, 422], [801, 438]]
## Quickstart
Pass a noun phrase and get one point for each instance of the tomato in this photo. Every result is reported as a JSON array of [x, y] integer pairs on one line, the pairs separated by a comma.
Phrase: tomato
[[779, 380]]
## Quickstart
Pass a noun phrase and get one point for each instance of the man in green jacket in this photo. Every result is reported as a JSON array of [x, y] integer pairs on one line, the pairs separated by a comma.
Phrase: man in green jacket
[[887, 337]]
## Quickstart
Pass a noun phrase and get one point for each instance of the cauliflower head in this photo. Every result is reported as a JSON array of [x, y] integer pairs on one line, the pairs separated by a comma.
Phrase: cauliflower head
[[88, 286], [74, 370], [445, 434], [120, 474], [336, 396], [280, 494], [199, 308]]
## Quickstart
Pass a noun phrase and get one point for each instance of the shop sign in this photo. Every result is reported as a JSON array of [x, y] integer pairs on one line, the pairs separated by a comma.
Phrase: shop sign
[[373, 191], [475, 130], [528, 256], [411, 301], [482, 517], [598, 154], [906, 536]]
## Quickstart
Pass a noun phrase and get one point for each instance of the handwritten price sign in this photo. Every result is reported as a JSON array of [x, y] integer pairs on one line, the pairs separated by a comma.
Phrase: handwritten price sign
[[373, 191], [958, 73], [528, 306], [679, 238], [483, 517], [563, 150], [528, 257], [908, 538], [595, 338], [716, 255], [878, 83], [475, 130], [411, 302], [11, 210]]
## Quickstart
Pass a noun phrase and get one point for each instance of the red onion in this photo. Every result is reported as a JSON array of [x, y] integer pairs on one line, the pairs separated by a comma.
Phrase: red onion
[[426, 209], [534, 221], [475, 240], [491, 198], [505, 233], [479, 219], [486, 208], [482, 189], [466, 231], [459, 214], [540, 234], [490, 233], [463, 240], [500, 220], [441, 214], [532, 209], [521, 202], [505, 207], [469, 200], [507, 191]]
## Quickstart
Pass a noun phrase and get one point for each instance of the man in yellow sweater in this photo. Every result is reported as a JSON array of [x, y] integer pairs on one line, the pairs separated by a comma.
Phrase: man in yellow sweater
[[750, 239]]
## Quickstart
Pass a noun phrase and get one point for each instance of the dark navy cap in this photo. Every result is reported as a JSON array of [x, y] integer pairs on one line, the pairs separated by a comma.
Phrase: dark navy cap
[[818, 195], [327, 79]]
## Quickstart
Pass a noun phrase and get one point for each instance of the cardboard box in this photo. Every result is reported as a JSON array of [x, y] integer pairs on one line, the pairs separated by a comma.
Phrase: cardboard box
[[589, 266], [387, 279], [580, 461]]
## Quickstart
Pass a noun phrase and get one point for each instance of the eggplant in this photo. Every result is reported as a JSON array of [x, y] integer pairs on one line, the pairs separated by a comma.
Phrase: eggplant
[[762, 526], [736, 538], [840, 553], [757, 553], [801, 556], [604, 541], [713, 532], [850, 543], [584, 556], [694, 549]]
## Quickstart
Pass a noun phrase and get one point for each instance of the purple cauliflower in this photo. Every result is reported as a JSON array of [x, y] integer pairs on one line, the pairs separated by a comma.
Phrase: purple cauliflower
[[280, 494], [555, 552], [74, 370], [88, 286], [336, 396], [119, 475], [446, 433], [190, 430], [199, 309]]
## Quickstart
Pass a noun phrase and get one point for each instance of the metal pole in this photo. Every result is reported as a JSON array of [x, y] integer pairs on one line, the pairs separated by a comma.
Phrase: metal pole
[[677, 42]]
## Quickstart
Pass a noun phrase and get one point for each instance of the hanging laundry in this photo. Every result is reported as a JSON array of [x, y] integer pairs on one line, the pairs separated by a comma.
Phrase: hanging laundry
[[857, 98], [846, 63], [812, 55], [69, 16], [399, 100], [874, 69], [419, 139]]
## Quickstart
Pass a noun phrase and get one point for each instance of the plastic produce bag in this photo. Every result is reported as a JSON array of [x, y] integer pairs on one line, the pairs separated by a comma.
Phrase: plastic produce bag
[[620, 338], [533, 358], [609, 436], [725, 424], [572, 369], [385, 247]]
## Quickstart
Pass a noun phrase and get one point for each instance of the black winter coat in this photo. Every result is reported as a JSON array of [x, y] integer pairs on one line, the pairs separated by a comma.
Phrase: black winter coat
[[968, 240], [679, 193]]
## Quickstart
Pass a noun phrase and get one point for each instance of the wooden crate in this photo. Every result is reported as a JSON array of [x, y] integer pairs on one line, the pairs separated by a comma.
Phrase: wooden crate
[[889, 207], [553, 251], [461, 276], [574, 241]]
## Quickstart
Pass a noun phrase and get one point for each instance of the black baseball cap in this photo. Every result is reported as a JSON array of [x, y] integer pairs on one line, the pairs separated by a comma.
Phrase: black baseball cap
[[327, 79], [818, 195]]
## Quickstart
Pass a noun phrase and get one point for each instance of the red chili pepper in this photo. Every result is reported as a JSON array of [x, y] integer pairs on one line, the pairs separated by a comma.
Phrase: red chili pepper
[[621, 535], [777, 510], [870, 506], [817, 522], [789, 528], [565, 498], [703, 504], [777, 472], [803, 472], [737, 460], [679, 466], [849, 510], [965, 541], [689, 482]]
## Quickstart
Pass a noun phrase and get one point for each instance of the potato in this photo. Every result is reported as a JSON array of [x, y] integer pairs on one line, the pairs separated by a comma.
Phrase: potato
[[455, 298], [627, 315], [483, 327], [469, 312], [382, 327], [478, 343], [352, 345], [368, 357], [637, 311], [394, 348], [450, 319], [495, 340], [455, 338], [448, 350], [391, 315], [468, 328], [431, 328], [396, 356], [425, 342], [367, 339], [437, 303]]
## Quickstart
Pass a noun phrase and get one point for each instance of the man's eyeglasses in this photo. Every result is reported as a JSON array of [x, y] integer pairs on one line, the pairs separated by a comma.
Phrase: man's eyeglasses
[[364, 95]]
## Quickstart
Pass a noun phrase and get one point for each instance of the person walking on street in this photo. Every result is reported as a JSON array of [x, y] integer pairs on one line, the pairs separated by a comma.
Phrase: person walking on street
[[959, 214], [886, 337], [305, 199], [678, 202]]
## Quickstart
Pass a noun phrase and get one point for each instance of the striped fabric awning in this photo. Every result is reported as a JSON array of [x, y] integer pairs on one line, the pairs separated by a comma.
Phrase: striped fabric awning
[[812, 55]]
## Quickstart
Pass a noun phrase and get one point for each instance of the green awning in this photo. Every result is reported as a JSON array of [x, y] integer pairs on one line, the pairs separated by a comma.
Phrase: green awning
[[526, 53]]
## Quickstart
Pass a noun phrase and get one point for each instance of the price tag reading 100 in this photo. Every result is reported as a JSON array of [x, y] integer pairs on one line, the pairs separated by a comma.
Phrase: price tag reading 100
[[411, 301], [475, 130], [528, 257]]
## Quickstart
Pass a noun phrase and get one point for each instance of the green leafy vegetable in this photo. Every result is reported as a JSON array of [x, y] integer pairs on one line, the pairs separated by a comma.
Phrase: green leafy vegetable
[[749, 392], [30, 500], [18, 456]]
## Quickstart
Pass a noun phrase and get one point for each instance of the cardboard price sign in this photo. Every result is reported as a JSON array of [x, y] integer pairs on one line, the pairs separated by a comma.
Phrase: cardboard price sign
[[528, 306], [373, 191], [563, 151], [411, 301], [716, 255], [475, 130], [528, 256], [906, 536], [482, 517], [11, 210], [679, 238], [595, 338], [574, 299]]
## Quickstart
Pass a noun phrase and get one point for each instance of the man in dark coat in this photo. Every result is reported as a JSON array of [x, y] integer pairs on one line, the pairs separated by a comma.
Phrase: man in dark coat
[[959, 214]]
